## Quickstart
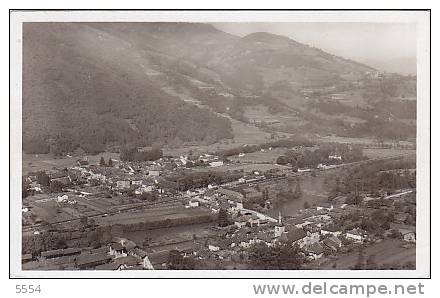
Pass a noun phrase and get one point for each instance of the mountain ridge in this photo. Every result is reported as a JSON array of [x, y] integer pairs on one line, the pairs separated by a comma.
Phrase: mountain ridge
[[105, 84]]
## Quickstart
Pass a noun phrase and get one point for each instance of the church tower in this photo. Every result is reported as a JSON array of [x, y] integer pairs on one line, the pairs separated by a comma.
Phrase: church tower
[[279, 227]]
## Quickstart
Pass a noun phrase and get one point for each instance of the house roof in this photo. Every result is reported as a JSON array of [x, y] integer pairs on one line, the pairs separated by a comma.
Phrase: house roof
[[295, 234], [108, 266], [128, 244], [58, 175], [139, 252], [332, 228], [325, 205], [358, 232], [330, 243], [86, 259], [316, 248], [83, 162], [137, 267], [128, 260], [205, 254], [264, 236], [57, 252], [159, 257], [117, 246], [336, 240], [230, 193]]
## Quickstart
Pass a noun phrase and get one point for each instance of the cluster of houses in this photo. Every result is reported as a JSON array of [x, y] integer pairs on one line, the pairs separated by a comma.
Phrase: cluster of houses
[[317, 231], [120, 254], [140, 176]]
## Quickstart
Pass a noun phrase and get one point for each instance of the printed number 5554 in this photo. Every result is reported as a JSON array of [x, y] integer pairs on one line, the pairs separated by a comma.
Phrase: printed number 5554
[[27, 289]]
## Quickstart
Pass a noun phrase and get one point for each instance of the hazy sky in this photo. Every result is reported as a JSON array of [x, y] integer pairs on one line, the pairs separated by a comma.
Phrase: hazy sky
[[382, 45]]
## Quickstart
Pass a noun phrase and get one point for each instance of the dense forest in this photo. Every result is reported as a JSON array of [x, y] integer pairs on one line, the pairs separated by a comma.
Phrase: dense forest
[[386, 175], [97, 86], [322, 155], [76, 93]]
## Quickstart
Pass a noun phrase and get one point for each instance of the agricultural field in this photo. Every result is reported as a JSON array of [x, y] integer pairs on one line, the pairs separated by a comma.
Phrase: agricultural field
[[347, 140], [344, 118], [247, 168], [268, 156], [390, 251], [243, 134], [46, 162], [378, 153], [152, 214], [160, 238], [261, 113]]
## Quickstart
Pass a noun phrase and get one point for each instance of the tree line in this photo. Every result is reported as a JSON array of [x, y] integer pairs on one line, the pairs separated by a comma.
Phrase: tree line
[[133, 154]]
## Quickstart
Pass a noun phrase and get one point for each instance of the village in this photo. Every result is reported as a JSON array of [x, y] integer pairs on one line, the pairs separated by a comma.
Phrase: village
[[205, 211]]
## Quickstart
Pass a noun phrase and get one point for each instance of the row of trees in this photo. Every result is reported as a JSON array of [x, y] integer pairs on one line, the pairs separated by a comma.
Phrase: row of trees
[[309, 158], [278, 257], [287, 143], [291, 193], [166, 223], [133, 154], [177, 261], [102, 162], [185, 181], [44, 180], [35, 244], [371, 178]]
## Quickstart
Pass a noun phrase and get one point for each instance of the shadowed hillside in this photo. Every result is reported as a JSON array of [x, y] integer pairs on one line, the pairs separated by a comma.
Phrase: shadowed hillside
[[84, 87], [99, 85]]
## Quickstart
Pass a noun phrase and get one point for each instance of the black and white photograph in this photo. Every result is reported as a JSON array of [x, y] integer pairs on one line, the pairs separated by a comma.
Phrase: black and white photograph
[[182, 143]]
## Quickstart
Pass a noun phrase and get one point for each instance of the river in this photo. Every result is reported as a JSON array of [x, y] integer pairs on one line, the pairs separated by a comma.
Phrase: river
[[313, 192]]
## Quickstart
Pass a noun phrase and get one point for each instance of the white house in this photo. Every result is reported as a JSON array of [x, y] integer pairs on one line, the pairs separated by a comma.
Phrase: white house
[[123, 184], [357, 235], [117, 250], [153, 173], [331, 230], [193, 204], [240, 222], [146, 263], [98, 176], [212, 247], [216, 163], [235, 207], [324, 205], [183, 160], [408, 232], [62, 198]]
